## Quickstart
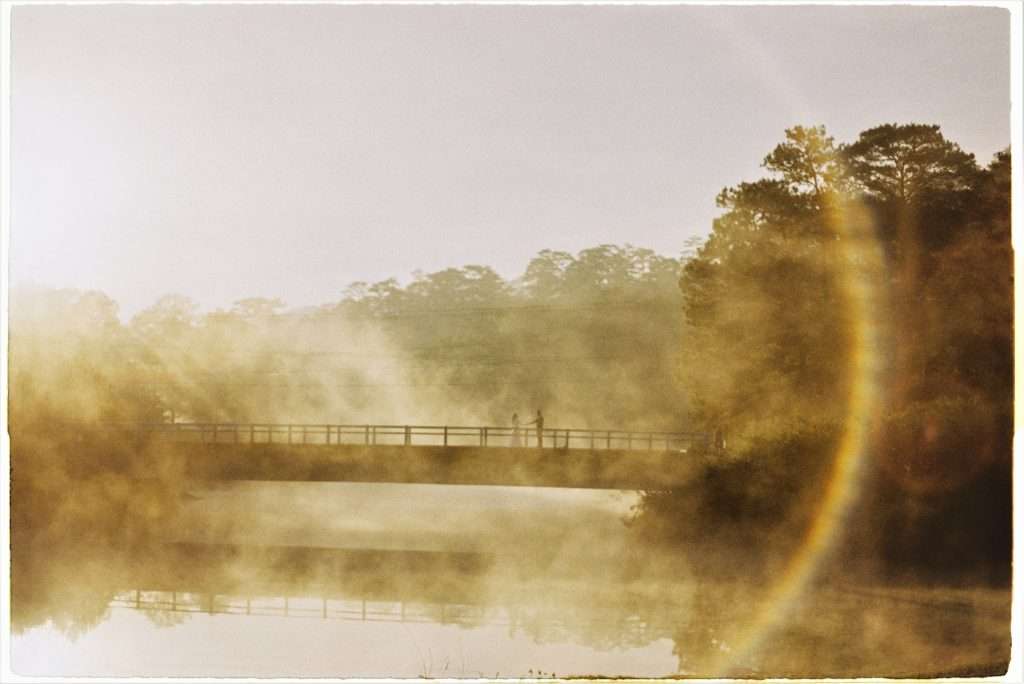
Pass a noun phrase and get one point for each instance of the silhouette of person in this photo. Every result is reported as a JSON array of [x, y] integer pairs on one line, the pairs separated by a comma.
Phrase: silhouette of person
[[515, 430], [539, 422]]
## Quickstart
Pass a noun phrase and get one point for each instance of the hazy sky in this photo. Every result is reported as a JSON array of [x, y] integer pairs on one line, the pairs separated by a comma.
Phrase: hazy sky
[[231, 151]]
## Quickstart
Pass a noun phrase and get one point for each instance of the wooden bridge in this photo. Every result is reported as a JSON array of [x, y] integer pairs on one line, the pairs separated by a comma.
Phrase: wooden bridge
[[429, 454]]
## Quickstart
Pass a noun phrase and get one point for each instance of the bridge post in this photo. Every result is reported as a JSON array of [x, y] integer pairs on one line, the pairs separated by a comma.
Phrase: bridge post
[[650, 441], [214, 433], [446, 435], [629, 440], [367, 435], [328, 428], [608, 442], [483, 436], [408, 436]]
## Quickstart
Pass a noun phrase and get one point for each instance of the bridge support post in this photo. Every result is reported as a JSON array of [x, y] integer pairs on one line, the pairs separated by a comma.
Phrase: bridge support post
[[408, 436], [446, 435]]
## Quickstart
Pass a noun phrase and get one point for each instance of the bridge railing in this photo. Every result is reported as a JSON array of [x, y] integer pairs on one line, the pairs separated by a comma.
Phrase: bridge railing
[[382, 610], [425, 435]]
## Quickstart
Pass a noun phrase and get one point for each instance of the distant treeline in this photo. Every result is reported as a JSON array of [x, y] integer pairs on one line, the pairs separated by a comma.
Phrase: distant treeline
[[771, 342], [591, 339]]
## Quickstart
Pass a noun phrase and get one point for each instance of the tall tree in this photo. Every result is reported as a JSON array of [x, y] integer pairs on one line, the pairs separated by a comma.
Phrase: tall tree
[[903, 162], [762, 333], [807, 161]]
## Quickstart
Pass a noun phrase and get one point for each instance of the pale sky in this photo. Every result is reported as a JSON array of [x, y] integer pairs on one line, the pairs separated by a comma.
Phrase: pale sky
[[224, 152]]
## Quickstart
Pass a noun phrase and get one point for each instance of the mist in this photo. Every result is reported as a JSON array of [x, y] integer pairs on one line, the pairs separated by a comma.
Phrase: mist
[[829, 300]]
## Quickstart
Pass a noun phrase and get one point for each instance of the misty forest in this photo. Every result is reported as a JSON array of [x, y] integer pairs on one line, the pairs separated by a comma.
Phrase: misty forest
[[892, 247]]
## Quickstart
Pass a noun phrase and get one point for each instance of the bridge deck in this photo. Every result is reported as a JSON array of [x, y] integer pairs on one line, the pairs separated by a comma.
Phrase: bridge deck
[[428, 455]]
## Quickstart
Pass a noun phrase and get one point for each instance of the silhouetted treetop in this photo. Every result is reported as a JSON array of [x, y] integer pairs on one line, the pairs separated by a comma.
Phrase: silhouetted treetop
[[902, 162], [807, 161]]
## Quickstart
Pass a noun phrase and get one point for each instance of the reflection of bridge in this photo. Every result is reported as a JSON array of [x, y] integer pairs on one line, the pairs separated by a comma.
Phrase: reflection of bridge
[[627, 627], [600, 459], [464, 589], [362, 610]]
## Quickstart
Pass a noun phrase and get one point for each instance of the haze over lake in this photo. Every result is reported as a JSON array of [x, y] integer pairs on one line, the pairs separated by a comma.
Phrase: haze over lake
[[480, 341]]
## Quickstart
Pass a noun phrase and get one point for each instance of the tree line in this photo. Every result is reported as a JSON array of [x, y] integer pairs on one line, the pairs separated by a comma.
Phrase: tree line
[[768, 348], [590, 338]]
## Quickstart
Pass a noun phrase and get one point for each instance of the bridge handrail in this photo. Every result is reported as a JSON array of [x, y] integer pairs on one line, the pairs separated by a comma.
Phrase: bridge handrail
[[449, 435]]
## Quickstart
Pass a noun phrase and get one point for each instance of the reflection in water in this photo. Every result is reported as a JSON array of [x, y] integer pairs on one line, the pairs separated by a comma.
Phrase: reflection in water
[[391, 580], [462, 589], [518, 572]]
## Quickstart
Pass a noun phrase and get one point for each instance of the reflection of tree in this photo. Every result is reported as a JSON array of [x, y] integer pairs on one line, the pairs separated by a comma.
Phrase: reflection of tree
[[169, 583], [603, 613], [166, 618], [70, 553]]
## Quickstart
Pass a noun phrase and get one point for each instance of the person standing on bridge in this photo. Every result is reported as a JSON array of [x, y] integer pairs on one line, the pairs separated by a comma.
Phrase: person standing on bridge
[[515, 430], [539, 422]]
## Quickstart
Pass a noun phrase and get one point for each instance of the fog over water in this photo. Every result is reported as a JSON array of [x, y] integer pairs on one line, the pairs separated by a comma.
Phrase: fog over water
[[537, 622], [440, 341], [413, 517]]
